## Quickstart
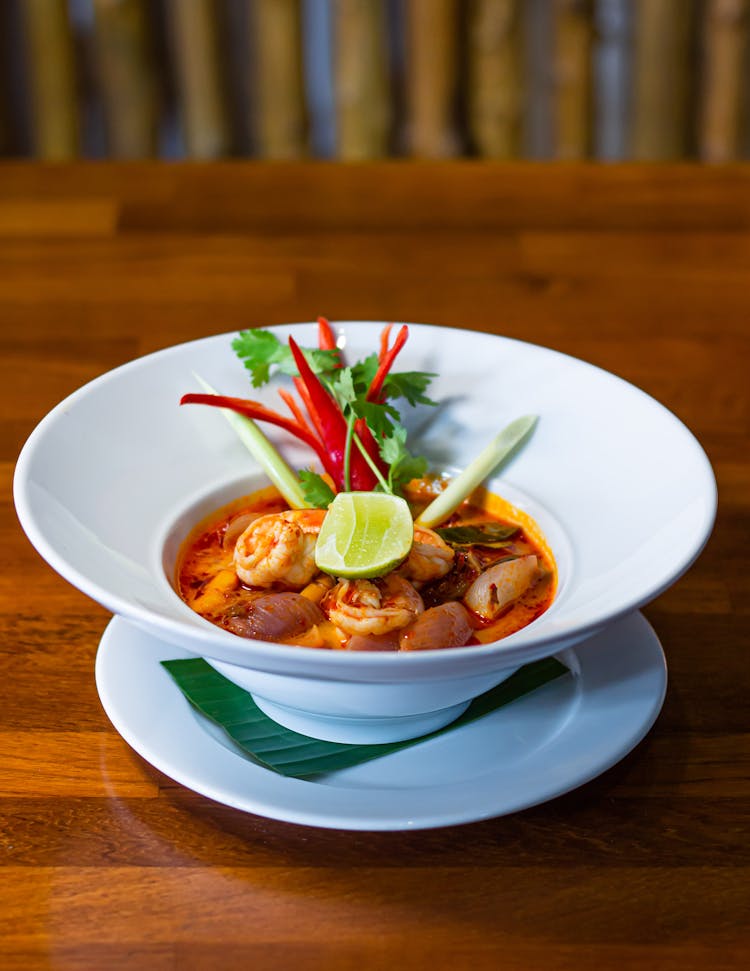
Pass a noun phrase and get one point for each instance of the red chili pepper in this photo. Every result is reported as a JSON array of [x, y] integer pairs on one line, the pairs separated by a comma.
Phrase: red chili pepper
[[326, 412], [299, 384], [258, 412], [333, 428], [327, 340], [384, 335], [386, 358], [295, 409]]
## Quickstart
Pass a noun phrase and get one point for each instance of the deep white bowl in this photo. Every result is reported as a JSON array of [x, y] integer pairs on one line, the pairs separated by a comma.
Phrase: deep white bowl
[[111, 481]]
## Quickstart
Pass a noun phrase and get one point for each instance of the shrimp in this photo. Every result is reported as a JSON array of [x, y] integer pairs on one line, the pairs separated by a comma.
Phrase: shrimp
[[373, 606], [430, 557], [279, 548]]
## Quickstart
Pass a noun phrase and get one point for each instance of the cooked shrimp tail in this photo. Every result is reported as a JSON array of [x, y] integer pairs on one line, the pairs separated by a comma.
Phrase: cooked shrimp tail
[[279, 548], [430, 557], [373, 607]]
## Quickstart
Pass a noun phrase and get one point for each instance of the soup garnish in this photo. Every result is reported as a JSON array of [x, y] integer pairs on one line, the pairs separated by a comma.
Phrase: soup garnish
[[460, 573], [345, 414]]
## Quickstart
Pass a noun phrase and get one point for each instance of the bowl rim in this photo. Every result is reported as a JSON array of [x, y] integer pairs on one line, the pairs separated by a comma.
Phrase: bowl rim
[[526, 644]]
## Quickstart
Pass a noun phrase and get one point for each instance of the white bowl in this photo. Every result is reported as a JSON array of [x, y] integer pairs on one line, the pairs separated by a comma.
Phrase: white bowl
[[112, 479]]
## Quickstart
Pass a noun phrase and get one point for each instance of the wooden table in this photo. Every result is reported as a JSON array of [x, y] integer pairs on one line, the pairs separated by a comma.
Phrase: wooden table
[[106, 863]]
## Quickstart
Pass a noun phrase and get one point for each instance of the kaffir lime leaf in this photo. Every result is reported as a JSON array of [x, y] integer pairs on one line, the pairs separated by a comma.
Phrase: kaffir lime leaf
[[364, 534]]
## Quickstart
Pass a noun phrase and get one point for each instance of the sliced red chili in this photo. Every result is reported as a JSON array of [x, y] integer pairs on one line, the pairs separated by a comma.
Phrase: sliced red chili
[[327, 339], [295, 409], [302, 391], [384, 335], [386, 358], [259, 412], [333, 428]]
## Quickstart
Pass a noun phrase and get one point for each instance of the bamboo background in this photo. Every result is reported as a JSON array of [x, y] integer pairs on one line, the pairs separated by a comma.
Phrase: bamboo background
[[361, 79]]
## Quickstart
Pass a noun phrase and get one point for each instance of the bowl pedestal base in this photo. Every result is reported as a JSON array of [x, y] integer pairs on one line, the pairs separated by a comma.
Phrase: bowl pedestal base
[[360, 730]]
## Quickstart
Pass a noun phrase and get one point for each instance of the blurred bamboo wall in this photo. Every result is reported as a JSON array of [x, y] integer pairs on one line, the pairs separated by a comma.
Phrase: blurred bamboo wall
[[361, 79]]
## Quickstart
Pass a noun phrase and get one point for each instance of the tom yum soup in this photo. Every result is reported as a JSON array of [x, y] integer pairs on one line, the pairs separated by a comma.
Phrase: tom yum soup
[[481, 575], [337, 558]]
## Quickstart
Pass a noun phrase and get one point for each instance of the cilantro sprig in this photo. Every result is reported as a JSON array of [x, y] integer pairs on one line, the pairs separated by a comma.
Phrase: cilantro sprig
[[260, 350], [402, 465], [316, 490]]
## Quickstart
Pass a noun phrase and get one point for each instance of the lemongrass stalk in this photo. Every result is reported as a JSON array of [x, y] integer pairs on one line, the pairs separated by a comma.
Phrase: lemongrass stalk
[[487, 462], [264, 453]]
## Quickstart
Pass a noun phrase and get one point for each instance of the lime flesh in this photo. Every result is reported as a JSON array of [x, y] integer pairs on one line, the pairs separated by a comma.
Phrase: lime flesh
[[364, 534]]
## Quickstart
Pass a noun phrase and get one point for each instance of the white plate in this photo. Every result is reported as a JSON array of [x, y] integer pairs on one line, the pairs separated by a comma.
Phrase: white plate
[[543, 745]]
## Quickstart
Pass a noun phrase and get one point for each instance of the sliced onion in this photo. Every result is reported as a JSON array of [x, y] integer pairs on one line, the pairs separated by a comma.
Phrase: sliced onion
[[235, 528], [274, 617], [445, 626], [500, 585]]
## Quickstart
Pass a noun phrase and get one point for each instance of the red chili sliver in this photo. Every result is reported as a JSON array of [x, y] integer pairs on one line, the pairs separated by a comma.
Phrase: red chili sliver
[[387, 357], [259, 412], [327, 339], [333, 429]]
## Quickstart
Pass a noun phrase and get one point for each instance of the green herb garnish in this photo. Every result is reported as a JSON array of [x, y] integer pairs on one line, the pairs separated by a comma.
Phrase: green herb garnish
[[362, 392], [259, 350], [402, 465], [347, 417], [315, 489]]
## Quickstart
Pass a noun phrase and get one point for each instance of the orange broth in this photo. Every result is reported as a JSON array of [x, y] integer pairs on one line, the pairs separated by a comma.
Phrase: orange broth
[[207, 582]]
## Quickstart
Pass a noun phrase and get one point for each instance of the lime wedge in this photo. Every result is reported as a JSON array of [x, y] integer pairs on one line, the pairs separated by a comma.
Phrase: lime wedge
[[364, 534]]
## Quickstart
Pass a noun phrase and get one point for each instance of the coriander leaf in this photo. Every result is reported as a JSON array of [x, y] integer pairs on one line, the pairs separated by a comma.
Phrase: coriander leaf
[[410, 385], [259, 349], [316, 490], [381, 419], [341, 383], [322, 363], [363, 372], [393, 448], [410, 467], [402, 465]]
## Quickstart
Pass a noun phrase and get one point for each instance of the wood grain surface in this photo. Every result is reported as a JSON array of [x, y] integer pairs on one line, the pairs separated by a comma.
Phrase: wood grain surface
[[107, 864]]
